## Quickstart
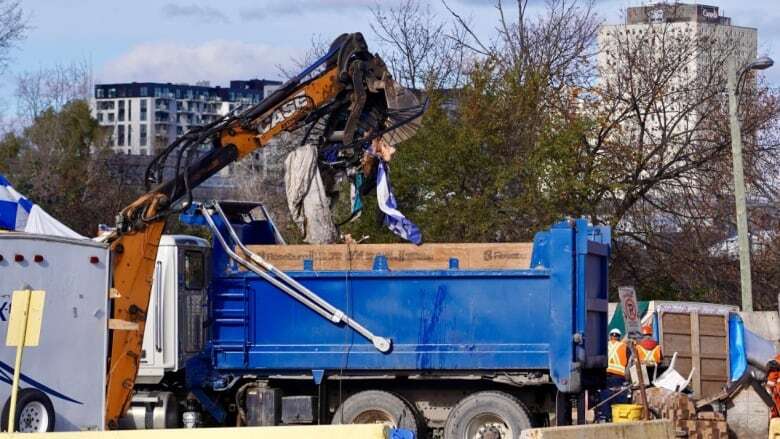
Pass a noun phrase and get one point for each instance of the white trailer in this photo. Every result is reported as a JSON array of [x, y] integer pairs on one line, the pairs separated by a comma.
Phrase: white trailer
[[63, 379]]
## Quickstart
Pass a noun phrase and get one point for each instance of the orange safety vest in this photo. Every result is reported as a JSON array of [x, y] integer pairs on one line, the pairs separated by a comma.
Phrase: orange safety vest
[[649, 357], [617, 359]]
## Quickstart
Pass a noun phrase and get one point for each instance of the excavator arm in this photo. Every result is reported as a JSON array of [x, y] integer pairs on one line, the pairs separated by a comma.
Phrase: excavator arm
[[348, 93]]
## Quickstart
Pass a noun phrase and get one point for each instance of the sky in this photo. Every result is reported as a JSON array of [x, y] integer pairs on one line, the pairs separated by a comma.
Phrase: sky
[[192, 40]]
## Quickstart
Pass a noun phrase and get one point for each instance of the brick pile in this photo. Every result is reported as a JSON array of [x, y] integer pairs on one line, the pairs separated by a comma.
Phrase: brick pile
[[680, 409]]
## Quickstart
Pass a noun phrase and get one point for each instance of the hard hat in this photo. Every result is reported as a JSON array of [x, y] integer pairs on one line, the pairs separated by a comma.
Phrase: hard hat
[[615, 331], [647, 330]]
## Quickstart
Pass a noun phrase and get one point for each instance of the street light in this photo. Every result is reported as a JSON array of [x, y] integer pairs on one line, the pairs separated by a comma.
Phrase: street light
[[739, 176]]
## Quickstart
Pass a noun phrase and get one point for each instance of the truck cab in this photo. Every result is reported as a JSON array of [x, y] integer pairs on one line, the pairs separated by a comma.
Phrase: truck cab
[[178, 289], [174, 329], [177, 316]]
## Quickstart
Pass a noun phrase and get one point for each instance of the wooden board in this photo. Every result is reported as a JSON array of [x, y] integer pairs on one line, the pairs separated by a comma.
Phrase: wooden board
[[701, 341], [434, 256]]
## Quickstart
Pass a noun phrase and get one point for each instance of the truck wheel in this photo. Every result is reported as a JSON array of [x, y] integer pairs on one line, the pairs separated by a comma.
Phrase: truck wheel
[[34, 412], [483, 415], [377, 407]]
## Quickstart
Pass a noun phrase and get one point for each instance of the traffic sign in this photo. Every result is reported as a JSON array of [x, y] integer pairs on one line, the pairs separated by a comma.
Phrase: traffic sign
[[24, 323], [630, 309]]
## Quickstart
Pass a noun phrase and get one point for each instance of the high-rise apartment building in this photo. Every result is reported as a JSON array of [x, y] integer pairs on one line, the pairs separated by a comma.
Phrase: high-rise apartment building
[[674, 56], [147, 116], [675, 22]]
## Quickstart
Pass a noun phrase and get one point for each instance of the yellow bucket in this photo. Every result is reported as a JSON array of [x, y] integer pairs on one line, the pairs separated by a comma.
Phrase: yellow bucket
[[626, 412]]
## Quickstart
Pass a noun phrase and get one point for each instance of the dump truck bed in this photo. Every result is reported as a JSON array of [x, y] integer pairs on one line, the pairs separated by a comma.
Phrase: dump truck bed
[[549, 317]]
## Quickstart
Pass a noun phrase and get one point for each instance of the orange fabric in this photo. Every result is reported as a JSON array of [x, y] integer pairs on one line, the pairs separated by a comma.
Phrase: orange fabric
[[649, 357], [648, 343], [772, 379], [617, 358], [647, 330]]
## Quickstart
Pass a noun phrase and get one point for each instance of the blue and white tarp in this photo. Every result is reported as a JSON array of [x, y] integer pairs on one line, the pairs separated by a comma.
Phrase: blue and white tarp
[[19, 214], [394, 219]]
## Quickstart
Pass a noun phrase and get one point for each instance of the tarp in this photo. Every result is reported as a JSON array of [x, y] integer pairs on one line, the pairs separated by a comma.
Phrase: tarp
[[737, 356], [394, 219], [19, 214], [306, 196]]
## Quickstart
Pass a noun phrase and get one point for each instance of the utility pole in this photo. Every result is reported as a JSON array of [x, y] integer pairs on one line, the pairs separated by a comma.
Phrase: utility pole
[[739, 188]]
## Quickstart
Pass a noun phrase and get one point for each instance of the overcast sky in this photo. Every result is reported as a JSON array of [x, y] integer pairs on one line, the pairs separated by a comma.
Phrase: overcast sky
[[191, 40]]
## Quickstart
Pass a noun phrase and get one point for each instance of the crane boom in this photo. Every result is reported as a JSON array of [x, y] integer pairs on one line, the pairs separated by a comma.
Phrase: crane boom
[[349, 91]]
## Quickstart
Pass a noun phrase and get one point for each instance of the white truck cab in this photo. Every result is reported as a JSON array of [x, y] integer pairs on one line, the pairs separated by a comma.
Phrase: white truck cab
[[174, 328], [179, 284]]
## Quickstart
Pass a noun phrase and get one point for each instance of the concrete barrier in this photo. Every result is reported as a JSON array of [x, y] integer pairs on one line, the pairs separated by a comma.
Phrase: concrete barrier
[[368, 431], [774, 428], [660, 429]]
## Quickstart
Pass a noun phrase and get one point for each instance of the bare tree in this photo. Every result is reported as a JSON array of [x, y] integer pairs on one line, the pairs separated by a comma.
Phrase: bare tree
[[52, 87], [663, 129], [13, 28], [661, 148], [318, 47], [558, 44], [645, 149], [420, 48]]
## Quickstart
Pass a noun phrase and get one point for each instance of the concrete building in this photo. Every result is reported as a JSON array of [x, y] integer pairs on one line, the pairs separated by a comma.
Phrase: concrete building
[[147, 116], [674, 55], [697, 23]]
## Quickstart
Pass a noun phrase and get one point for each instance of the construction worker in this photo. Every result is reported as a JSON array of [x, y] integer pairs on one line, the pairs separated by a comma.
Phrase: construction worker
[[648, 350], [772, 385], [617, 360]]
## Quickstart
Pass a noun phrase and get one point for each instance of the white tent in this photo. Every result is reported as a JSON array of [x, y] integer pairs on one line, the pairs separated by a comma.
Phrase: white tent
[[17, 213]]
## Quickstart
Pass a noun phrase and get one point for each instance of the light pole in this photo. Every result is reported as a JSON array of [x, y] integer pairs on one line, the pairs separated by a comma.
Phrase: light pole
[[734, 78]]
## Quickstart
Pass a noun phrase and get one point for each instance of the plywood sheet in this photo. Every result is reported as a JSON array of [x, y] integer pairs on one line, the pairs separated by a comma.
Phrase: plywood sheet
[[712, 326], [434, 256], [701, 341], [674, 323]]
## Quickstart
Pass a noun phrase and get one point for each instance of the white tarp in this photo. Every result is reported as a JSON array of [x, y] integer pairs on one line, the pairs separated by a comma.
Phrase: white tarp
[[306, 196]]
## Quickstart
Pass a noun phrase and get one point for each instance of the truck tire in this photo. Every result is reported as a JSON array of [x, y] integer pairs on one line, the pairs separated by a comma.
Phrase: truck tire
[[34, 412], [487, 415], [378, 407]]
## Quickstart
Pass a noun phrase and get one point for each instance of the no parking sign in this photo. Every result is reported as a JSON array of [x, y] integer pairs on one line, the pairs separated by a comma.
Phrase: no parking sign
[[630, 312]]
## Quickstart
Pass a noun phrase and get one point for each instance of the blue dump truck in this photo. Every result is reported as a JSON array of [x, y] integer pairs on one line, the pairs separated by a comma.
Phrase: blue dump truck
[[453, 352]]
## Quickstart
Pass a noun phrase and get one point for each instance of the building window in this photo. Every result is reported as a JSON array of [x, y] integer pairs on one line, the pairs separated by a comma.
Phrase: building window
[[121, 113], [120, 135], [157, 92], [111, 92], [99, 93], [144, 103], [129, 135], [142, 139], [100, 117], [144, 91], [110, 117], [129, 110]]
